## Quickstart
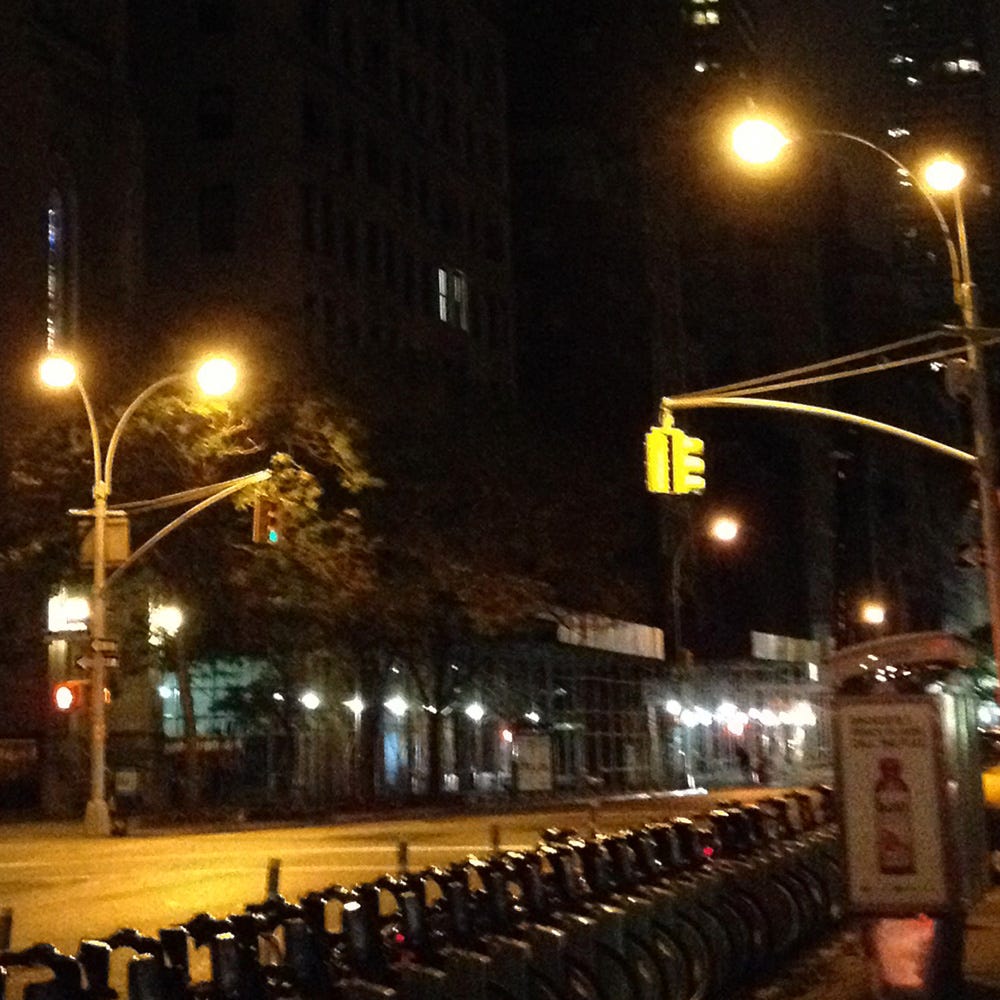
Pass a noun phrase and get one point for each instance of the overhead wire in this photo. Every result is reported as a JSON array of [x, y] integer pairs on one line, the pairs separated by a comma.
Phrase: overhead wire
[[818, 365], [835, 376]]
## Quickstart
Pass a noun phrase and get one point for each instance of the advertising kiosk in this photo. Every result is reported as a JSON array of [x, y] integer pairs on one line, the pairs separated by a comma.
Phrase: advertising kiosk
[[910, 792]]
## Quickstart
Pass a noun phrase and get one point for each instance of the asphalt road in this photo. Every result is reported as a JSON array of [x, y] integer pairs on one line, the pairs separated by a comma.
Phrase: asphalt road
[[63, 887]]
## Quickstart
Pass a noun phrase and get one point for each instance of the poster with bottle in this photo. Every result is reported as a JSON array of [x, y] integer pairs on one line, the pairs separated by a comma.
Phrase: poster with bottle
[[894, 808]]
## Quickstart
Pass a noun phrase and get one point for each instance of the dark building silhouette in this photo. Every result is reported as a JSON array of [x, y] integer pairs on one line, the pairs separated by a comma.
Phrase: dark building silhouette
[[70, 253], [646, 266], [330, 179], [938, 96], [70, 246]]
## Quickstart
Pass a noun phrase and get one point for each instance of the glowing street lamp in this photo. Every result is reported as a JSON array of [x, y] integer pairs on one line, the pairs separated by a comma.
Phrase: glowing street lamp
[[398, 705], [944, 174], [872, 612], [757, 141], [724, 528], [355, 704], [57, 371], [310, 701], [217, 377], [165, 621]]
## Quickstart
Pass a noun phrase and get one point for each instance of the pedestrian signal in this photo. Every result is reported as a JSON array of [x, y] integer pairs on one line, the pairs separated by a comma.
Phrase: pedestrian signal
[[70, 696]]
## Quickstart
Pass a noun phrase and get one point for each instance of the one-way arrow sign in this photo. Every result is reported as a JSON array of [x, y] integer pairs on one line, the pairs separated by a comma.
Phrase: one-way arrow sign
[[90, 660]]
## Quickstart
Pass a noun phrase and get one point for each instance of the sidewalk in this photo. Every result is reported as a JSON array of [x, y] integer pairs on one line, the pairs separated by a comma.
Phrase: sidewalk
[[982, 948], [839, 970]]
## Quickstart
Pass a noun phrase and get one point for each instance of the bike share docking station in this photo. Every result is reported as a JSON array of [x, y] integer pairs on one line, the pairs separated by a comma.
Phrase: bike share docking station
[[911, 807]]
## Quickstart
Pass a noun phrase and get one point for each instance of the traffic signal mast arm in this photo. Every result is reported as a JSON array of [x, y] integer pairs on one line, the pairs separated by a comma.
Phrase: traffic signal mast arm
[[222, 490], [668, 405]]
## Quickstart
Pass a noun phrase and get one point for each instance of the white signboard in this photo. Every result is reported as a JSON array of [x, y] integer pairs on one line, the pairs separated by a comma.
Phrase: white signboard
[[533, 755], [892, 803]]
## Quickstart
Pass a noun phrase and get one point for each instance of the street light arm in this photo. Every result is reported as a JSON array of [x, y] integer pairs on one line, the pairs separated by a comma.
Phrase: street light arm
[[953, 261], [95, 436], [124, 418], [667, 405], [234, 486]]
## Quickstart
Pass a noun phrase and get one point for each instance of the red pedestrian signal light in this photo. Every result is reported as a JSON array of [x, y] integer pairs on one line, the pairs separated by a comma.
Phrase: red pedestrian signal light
[[70, 696]]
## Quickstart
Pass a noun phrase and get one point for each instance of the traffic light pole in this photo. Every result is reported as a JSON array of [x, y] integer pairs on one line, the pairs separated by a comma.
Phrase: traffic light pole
[[984, 436], [680, 551], [97, 819]]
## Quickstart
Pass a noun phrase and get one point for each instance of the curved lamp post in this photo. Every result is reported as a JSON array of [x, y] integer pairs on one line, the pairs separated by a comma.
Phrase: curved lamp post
[[758, 142], [721, 528], [216, 376]]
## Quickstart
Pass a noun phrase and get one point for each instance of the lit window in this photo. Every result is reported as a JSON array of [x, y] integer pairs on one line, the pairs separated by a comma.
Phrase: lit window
[[698, 17], [700, 66], [711, 17], [897, 59], [913, 81], [68, 613], [968, 66], [898, 133], [453, 298]]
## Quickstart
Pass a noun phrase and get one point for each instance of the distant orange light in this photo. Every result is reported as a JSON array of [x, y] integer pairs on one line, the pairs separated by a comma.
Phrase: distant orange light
[[724, 529], [873, 613]]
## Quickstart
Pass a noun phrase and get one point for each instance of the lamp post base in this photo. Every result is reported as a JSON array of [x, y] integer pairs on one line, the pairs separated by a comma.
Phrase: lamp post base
[[97, 819]]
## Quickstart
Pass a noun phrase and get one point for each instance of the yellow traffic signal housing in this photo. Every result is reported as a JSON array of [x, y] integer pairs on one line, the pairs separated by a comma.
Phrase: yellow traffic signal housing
[[687, 463], [658, 460], [674, 462]]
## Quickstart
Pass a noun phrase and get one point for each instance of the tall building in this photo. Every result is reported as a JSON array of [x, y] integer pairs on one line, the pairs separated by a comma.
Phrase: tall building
[[939, 58], [916, 78], [70, 246], [70, 257], [644, 269], [330, 179]]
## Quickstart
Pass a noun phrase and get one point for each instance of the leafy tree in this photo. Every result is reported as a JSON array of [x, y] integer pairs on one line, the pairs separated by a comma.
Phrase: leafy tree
[[477, 531], [239, 598]]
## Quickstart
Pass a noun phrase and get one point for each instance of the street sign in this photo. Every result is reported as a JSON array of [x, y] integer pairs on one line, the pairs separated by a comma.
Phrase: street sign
[[104, 645], [90, 660]]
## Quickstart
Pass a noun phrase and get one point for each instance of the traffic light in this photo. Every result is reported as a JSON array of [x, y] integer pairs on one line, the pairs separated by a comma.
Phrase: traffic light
[[674, 461], [266, 521], [687, 463], [70, 696]]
